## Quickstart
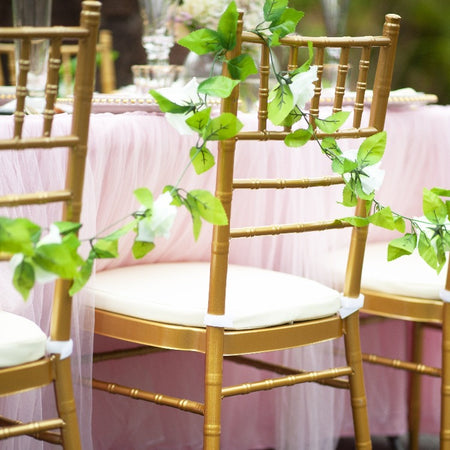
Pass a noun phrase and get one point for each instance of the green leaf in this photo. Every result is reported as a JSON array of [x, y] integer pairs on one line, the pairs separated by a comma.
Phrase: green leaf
[[404, 245], [287, 23], [332, 123], [341, 165], [241, 67], [144, 197], [23, 278], [191, 205], [201, 41], [175, 193], [58, 259], [372, 149], [18, 235], [273, 9], [383, 218], [227, 27], [140, 248], [349, 198], [202, 159], [434, 208], [106, 248], [298, 138], [84, 274], [399, 224], [330, 145], [67, 227], [427, 251], [281, 103], [218, 86], [199, 120], [441, 192], [167, 106], [293, 117], [209, 207], [356, 221], [226, 126]]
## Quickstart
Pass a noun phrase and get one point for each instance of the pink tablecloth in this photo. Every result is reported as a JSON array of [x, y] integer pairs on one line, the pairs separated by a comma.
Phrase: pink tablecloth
[[137, 149]]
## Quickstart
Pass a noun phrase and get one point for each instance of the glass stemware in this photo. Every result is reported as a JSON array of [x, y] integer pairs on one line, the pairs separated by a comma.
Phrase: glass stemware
[[335, 14], [157, 33]]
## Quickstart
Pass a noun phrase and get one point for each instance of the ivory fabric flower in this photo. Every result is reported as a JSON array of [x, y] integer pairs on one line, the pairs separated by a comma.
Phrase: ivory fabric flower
[[160, 222], [302, 86], [205, 13], [374, 175], [181, 95], [41, 275]]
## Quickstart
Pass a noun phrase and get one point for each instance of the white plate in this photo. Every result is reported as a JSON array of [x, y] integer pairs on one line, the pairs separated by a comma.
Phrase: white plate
[[399, 97], [117, 104]]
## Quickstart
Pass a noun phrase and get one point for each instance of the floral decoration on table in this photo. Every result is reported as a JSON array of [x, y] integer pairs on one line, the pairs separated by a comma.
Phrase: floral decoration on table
[[188, 109], [196, 14]]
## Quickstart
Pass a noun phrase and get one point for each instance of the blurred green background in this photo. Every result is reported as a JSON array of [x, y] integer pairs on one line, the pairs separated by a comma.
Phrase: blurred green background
[[423, 55]]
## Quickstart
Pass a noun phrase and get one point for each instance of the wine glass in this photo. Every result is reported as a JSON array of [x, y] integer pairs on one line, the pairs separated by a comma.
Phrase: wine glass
[[335, 14], [157, 33]]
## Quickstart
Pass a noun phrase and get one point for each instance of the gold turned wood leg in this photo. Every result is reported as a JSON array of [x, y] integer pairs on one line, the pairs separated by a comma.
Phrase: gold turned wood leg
[[213, 388], [66, 405], [357, 388], [415, 388], [445, 382]]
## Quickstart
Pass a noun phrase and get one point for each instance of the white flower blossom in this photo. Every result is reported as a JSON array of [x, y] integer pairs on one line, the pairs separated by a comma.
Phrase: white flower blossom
[[181, 95], [204, 13], [302, 86], [160, 222], [41, 275], [373, 178]]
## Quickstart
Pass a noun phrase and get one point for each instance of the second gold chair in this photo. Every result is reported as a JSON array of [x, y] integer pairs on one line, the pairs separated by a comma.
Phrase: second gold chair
[[229, 312]]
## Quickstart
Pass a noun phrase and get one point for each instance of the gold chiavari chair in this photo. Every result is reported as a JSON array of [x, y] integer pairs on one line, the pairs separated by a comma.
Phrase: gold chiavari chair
[[28, 359], [229, 312], [407, 289], [107, 73]]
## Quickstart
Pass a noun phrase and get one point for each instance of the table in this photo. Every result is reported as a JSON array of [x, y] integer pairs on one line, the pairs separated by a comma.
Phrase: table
[[139, 149]]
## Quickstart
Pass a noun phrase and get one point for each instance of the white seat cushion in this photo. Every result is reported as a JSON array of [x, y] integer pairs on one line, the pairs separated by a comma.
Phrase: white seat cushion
[[177, 293], [21, 340], [407, 275]]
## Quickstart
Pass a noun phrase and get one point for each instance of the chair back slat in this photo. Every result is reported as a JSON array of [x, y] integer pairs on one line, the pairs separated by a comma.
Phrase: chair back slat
[[361, 85]]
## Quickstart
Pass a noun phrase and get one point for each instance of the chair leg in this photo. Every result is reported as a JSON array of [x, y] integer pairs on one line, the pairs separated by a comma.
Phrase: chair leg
[[415, 388], [357, 389], [213, 388], [445, 381], [66, 405]]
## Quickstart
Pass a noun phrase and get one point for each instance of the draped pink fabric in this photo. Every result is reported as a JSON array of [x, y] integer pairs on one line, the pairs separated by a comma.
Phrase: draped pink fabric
[[138, 149]]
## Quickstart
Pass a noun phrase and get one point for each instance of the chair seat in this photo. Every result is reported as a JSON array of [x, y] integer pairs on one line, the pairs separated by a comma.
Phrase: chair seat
[[407, 275], [21, 340], [172, 293]]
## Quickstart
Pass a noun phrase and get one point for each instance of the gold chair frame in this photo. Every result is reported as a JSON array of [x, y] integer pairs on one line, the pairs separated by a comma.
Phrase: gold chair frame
[[220, 343], [422, 313], [107, 73], [51, 369]]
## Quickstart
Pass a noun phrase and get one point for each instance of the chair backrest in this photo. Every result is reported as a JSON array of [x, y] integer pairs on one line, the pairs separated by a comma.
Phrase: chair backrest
[[385, 46], [74, 139], [107, 74]]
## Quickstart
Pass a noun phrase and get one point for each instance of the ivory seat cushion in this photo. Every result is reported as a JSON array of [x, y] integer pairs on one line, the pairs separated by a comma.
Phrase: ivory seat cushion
[[407, 275], [21, 340], [177, 293]]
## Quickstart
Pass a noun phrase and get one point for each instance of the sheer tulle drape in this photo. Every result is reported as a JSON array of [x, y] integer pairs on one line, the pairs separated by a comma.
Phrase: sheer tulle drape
[[28, 170], [137, 149]]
